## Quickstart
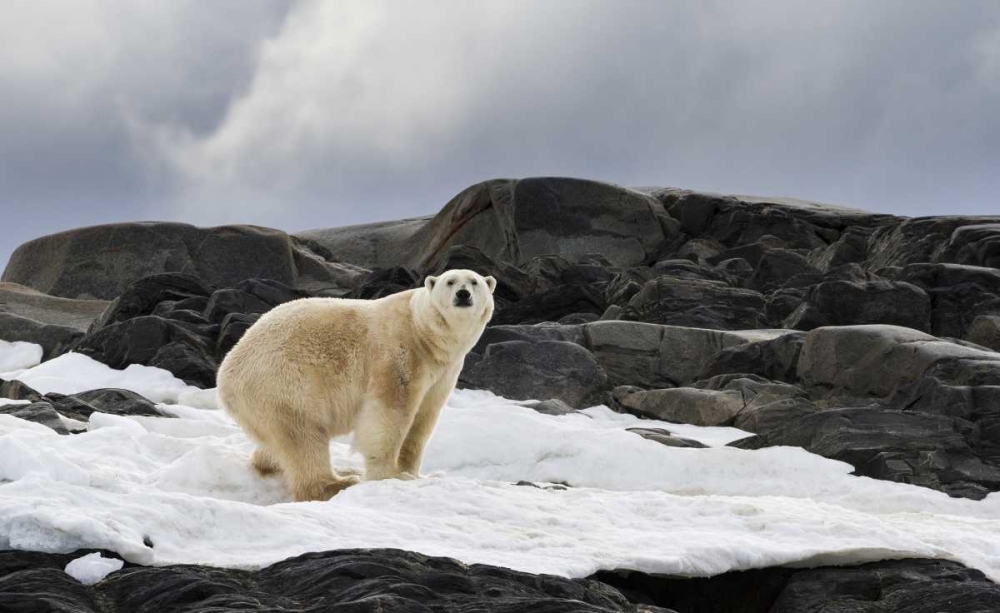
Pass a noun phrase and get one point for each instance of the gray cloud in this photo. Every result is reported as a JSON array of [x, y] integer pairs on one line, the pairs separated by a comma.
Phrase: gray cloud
[[318, 114]]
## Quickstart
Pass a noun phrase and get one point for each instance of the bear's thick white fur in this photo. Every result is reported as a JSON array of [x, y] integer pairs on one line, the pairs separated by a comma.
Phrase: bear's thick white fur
[[316, 368]]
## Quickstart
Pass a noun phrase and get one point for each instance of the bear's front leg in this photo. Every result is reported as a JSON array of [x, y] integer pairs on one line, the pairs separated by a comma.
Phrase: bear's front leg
[[379, 435], [411, 454]]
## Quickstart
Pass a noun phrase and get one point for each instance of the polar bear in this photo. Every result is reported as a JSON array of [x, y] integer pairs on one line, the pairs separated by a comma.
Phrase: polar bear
[[315, 368]]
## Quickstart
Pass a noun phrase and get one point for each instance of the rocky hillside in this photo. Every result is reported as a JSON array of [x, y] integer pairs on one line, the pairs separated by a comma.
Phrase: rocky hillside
[[865, 338]]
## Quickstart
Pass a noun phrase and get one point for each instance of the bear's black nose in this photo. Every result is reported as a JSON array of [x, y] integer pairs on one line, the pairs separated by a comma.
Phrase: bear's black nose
[[463, 298]]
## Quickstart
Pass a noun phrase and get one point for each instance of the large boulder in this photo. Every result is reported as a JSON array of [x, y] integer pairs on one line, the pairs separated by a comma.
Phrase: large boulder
[[958, 293], [513, 221], [184, 349], [102, 261], [840, 303], [877, 360], [538, 371]]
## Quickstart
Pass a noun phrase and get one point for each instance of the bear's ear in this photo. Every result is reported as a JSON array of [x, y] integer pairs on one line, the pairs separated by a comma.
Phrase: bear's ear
[[492, 283], [429, 282]]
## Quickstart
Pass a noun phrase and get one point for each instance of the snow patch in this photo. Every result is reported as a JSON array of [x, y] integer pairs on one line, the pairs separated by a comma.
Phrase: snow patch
[[18, 355], [72, 373], [185, 486], [92, 568]]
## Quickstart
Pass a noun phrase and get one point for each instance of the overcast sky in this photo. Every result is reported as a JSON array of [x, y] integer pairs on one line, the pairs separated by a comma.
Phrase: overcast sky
[[316, 114]]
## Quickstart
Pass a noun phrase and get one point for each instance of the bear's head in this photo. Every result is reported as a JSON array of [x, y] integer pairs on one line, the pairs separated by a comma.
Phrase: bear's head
[[463, 293]]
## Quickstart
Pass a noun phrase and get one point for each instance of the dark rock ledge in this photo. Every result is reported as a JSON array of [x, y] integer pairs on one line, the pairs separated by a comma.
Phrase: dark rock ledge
[[384, 580]]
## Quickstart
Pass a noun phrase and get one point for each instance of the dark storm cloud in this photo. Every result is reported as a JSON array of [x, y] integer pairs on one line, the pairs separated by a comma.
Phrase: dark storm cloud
[[322, 113]]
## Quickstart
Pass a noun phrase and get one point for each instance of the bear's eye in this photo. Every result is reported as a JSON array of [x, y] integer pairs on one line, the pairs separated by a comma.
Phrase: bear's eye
[[474, 282], [450, 283]]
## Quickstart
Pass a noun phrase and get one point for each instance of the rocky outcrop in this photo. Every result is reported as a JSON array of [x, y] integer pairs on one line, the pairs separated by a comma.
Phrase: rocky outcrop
[[177, 322], [537, 371], [914, 586], [513, 221], [102, 261], [52, 322], [391, 580], [896, 404], [54, 409], [361, 581]]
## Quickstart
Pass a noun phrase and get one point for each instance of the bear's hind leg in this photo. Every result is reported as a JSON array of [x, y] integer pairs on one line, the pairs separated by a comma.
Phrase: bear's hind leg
[[306, 463]]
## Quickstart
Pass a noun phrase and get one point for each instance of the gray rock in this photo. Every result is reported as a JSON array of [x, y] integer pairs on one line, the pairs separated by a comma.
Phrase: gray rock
[[768, 415], [686, 269], [664, 437], [894, 586], [50, 321], [696, 303], [38, 412], [541, 370], [80, 406], [654, 356], [552, 305], [959, 294], [686, 405], [183, 349], [700, 250], [513, 221], [877, 360], [343, 581], [929, 450], [776, 267], [775, 358], [923, 239], [976, 245], [54, 339], [985, 331], [18, 390], [851, 247], [857, 303], [373, 245], [23, 301], [102, 261], [552, 406]]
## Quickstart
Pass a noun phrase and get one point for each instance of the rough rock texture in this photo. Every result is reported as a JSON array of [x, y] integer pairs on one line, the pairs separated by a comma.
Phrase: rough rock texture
[[913, 586], [49, 409], [52, 322], [686, 405], [896, 404], [348, 581], [383, 580], [696, 303], [102, 261], [537, 371], [513, 221]]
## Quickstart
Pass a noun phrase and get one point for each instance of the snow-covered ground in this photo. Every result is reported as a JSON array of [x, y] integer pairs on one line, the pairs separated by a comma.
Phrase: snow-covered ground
[[162, 491]]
